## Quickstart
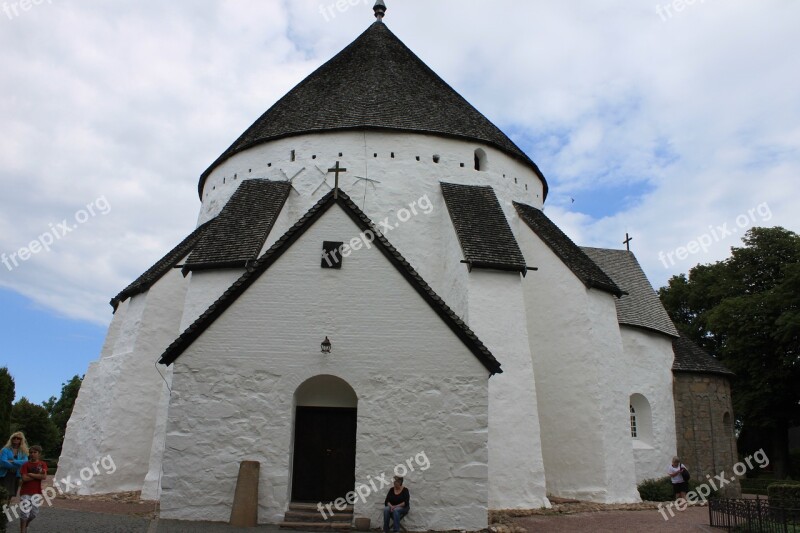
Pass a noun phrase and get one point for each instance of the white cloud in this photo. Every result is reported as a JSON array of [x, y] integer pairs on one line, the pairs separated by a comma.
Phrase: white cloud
[[133, 100]]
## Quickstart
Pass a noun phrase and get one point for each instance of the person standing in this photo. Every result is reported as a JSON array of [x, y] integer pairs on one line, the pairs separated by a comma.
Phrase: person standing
[[679, 486], [13, 455], [33, 473]]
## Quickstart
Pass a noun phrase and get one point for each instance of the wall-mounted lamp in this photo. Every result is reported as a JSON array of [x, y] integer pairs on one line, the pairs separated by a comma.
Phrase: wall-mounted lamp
[[326, 346]]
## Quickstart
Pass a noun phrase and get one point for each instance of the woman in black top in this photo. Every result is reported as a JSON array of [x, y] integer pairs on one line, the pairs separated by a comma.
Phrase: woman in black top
[[396, 504]]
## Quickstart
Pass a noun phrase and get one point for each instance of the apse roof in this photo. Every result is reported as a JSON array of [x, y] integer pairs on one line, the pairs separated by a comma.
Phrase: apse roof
[[689, 357], [641, 306], [376, 83], [484, 234], [570, 253]]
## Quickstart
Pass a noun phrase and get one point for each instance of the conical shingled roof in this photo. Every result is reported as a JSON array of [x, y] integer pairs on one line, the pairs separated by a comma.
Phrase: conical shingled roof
[[378, 83]]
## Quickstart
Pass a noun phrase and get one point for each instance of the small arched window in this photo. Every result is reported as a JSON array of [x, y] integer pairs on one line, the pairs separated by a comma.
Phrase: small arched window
[[641, 419], [480, 159]]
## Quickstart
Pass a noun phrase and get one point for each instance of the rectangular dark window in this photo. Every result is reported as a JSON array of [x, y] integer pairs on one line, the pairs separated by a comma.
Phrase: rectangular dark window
[[332, 254]]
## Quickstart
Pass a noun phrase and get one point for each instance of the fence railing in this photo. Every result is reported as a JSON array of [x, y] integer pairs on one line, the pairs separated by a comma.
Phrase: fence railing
[[755, 516]]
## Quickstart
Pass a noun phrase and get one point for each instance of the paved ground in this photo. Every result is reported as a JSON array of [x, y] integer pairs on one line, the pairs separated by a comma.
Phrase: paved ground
[[691, 520], [53, 520]]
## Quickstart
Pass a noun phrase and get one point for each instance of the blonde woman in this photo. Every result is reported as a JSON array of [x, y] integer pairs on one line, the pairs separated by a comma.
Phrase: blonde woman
[[13, 455], [679, 486]]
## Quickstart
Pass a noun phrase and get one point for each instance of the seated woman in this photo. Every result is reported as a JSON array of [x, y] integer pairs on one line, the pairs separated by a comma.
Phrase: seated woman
[[396, 504]]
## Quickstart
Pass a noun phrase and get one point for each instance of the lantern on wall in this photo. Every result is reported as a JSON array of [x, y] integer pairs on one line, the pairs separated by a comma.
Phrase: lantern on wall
[[326, 346]]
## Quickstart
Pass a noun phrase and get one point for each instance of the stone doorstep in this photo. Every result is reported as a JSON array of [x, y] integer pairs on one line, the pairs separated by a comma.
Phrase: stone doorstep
[[297, 506], [306, 516], [315, 516], [316, 526]]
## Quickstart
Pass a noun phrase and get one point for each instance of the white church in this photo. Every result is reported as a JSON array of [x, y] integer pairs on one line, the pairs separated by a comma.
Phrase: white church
[[373, 280]]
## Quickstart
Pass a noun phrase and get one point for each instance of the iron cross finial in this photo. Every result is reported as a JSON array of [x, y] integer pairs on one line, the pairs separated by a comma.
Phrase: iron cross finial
[[336, 170], [627, 241]]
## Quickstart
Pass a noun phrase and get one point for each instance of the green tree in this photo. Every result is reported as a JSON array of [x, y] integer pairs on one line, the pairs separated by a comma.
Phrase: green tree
[[34, 421], [6, 400], [61, 409], [745, 310]]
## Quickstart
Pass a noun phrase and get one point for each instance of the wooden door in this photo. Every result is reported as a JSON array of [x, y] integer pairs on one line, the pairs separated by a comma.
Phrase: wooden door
[[324, 453]]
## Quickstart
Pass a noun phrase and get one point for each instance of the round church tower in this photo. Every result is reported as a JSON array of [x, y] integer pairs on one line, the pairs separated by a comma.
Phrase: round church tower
[[356, 301], [400, 131]]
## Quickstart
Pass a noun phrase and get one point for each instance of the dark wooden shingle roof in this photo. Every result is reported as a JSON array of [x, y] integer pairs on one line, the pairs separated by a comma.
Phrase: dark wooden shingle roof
[[483, 231], [570, 253], [374, 83], [241, 227], [162, 266], [689, 357], [641, 306], [256, 269]]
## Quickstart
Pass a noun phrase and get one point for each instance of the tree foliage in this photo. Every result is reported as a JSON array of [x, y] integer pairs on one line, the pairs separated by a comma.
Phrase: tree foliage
[[60, 409], [34, 421], [6, 400], [745, 310]]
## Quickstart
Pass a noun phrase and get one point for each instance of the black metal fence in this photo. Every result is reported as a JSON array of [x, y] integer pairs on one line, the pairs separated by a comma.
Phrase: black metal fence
[[755, 516]]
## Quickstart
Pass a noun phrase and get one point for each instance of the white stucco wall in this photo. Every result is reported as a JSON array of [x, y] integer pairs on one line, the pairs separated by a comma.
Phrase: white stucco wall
[[205, 287], [497, 315], [579, 371], [419, 389], [649, 359], [399, 182], [118, 403]]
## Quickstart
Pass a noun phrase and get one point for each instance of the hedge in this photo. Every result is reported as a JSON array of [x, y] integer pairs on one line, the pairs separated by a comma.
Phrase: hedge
[[785, 491], [660, 490]]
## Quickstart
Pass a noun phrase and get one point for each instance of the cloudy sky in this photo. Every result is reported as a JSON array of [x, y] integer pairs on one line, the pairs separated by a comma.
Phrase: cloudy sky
[[678, 126]]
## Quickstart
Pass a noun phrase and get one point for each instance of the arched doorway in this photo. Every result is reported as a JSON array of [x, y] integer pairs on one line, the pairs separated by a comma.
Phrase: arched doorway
[[324, 458]]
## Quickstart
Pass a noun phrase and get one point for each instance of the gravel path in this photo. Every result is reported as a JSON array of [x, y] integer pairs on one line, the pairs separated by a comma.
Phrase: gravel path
[[690, 520], [52, 520]]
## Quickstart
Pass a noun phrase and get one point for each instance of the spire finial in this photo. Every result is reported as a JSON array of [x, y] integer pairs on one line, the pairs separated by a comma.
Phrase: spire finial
[[380, 10]]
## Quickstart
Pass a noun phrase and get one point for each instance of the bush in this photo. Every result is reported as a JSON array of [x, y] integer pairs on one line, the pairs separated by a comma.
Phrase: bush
[[656, 490], [784, 491], [660, 490]]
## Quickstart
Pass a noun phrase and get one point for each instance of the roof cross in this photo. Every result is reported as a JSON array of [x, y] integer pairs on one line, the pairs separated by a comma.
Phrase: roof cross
[[627, 241], [336, 170]]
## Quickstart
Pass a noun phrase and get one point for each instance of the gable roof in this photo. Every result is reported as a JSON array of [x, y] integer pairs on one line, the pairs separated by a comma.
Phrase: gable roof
[[242, 226], [690, 358], [162, 266], [256, 269], [570, 254], [483, 231], [374, 83], [641, 306]]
